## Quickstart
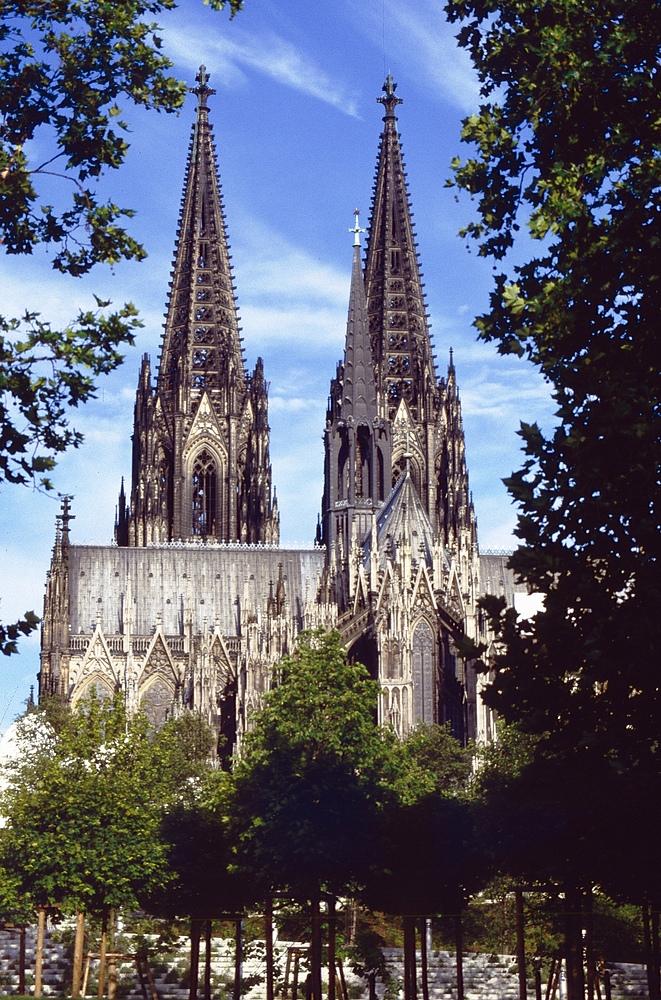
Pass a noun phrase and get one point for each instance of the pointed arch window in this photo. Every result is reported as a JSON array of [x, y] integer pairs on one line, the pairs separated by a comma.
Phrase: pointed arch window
[[205, 487], [423, 674]]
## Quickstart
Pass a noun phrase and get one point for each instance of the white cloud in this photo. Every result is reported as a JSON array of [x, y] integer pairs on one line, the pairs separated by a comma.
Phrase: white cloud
[[268, 54], [419, 37]]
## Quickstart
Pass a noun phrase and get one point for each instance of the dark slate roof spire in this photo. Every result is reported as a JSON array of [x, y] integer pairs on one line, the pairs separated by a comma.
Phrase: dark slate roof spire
[[202, 343], [359, 387], [401, 345]]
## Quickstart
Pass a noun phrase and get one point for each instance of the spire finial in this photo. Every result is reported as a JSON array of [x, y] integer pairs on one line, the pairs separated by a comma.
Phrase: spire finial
[[202, 90], [389, 101], [65, 517], [356, 229]]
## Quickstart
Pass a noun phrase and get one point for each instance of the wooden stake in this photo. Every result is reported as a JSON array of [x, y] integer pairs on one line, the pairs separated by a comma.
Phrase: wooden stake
[[520, 943], [268, 937], [102, 955], [238, 958], [78, 954], [39, 952], [332, 922], [424, 971], [21, 961], [459, 939]]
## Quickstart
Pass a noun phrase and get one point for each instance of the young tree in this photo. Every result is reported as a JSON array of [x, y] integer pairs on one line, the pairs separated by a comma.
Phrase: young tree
[[67, 67], [312, 780], [82, 808]]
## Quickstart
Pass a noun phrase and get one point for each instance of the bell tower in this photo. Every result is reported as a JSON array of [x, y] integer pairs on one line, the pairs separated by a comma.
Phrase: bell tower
[[201, 466]]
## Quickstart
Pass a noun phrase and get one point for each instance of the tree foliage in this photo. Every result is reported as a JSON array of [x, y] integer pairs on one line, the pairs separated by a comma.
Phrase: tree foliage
[[313, 774], [83, 807], [567, 142]]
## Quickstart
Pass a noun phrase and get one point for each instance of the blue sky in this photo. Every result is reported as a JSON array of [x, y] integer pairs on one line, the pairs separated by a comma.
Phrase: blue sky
[[297, 130]]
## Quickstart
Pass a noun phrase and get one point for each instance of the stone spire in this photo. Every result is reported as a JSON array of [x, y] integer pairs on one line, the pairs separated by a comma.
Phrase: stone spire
[[359, 386], [398, 324], [201, 466], [202, 345], [357, 439]]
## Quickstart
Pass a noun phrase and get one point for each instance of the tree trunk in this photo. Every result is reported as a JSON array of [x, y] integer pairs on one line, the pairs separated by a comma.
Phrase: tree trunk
[[590, 963], [332, 923], [207, 960], [238, 957], [315, 950], [39, 951], [78, 948], [410, 976], [268, 938], [424, 970], [656, 957], [520, 943], [195, 930], [574, 945], [112, 962], [102, 954], [21, 961], [459, 945], [652, 980]]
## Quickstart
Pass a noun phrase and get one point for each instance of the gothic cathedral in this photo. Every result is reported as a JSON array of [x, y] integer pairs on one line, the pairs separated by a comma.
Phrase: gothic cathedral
[[196, 600]]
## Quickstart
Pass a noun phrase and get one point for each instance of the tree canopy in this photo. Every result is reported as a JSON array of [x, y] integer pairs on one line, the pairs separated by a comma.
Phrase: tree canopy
[[83, 807], [567, 144]]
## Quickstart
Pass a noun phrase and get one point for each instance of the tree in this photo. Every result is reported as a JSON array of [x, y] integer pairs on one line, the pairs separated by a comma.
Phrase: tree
[[310, 786], [313, 772], [83, 809], [66, 69], [571, 146], [567, 143]]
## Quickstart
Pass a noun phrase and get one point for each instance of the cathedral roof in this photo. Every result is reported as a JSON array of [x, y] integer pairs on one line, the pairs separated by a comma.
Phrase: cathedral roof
[[207, 585], [401, 344], [403, 520]]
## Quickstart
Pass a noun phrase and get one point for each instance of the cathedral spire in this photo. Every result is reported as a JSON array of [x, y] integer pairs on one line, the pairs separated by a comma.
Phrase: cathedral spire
[[202, 344], [399, 330], [359, 387], [357, 439], [201, 466]]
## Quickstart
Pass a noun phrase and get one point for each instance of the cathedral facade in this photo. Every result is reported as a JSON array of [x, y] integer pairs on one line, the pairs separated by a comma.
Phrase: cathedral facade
[[196, 600]]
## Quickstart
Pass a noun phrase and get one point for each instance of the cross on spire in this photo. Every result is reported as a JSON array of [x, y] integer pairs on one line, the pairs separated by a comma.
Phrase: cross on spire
[[356, 229], [202, 90], [389, 101]]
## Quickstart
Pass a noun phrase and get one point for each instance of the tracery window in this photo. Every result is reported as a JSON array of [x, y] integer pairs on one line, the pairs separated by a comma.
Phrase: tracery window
[[205, 484], [423, 674]]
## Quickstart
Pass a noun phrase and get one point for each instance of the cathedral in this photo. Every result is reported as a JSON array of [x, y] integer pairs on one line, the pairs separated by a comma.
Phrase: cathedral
[[196, 600]]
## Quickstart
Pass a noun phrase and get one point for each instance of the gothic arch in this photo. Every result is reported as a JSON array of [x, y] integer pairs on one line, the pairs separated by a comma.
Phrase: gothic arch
[[205, 493], [416, 465], [424, 673], [96, 682], [156, 698]]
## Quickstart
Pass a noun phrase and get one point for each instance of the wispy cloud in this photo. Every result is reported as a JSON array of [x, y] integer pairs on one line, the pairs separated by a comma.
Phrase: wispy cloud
[[268, 54], [419, 37]]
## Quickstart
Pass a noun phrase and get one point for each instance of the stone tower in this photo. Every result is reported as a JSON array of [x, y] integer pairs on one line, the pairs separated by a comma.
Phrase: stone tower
[[397, 517], [201, 467]]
